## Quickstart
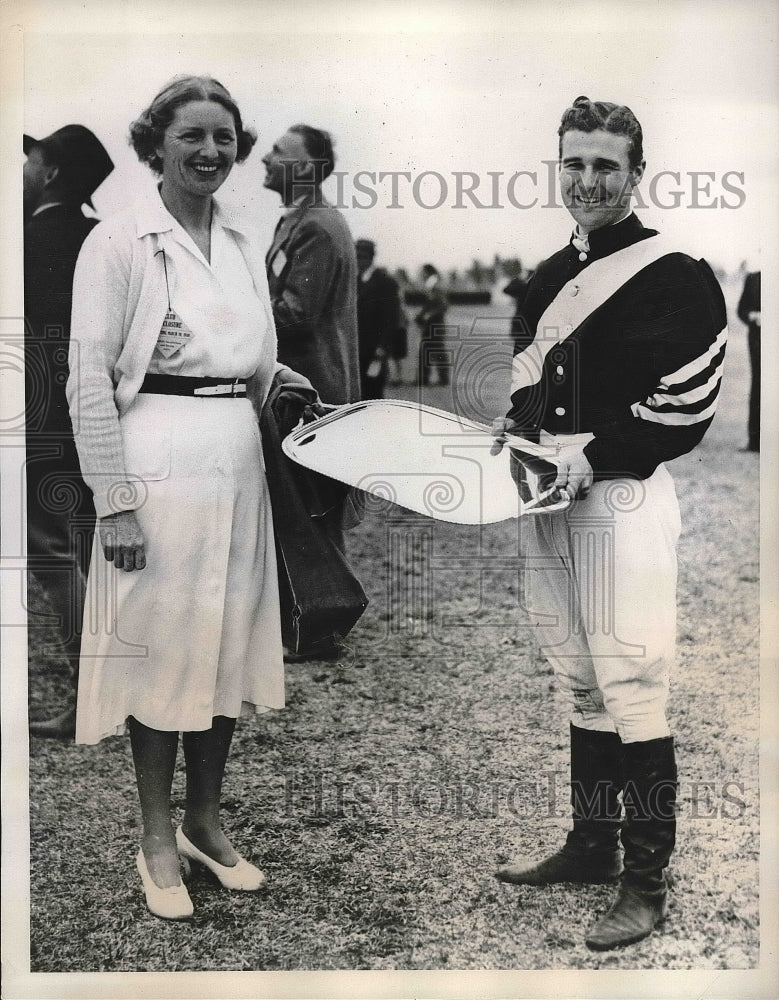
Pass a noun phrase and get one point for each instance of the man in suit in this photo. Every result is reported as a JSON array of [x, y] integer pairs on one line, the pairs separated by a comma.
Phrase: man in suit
[[61, 173], [312, 276], [618, 367], [312, 270], [749, 313], [379, 317]]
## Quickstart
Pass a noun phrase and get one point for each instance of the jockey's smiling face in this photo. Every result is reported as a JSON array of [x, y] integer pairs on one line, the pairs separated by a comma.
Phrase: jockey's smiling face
[[596, 179]]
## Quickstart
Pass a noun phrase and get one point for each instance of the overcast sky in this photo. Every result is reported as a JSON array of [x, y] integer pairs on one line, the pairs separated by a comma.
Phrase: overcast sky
[[447, 87]]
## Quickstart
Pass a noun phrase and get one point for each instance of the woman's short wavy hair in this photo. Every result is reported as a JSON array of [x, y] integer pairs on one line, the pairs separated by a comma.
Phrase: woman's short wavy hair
[[148, 130], [585, 115]]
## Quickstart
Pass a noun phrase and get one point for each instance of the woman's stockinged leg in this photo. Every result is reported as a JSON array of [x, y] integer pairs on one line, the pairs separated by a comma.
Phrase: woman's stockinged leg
[[206, 756], [154, 756]]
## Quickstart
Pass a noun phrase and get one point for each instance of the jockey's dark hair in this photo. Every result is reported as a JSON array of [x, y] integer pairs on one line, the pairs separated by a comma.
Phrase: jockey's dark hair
[[585, 115]]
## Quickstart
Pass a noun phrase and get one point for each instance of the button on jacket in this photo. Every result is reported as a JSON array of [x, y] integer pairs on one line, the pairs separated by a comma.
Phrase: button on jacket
[[641, 372]]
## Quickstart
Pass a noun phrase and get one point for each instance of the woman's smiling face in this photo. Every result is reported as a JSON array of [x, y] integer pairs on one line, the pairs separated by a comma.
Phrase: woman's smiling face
[[198, 149]]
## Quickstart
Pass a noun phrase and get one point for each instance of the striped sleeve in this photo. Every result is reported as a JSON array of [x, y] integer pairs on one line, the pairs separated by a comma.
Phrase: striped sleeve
[[688, 350], [689, 394]]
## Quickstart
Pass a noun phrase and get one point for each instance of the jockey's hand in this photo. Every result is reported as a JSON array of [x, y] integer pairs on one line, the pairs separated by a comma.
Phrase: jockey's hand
[[501, 427], [575, 475]]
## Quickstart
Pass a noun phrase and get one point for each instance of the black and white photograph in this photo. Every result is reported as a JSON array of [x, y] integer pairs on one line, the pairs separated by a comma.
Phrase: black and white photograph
[[383, 609]]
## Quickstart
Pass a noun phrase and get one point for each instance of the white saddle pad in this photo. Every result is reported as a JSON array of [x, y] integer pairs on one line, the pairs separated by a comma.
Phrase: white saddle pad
[[427, 460]]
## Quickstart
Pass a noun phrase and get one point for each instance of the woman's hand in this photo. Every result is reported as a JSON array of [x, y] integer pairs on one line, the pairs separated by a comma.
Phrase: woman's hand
[[122, 540], [295, 378], [313, 410]]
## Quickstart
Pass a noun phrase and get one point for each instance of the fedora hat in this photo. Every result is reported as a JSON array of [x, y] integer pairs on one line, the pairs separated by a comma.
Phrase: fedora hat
[[80, 155]]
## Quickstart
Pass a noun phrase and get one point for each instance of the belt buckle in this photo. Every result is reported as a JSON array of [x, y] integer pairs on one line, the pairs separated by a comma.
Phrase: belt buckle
[[223, 389]]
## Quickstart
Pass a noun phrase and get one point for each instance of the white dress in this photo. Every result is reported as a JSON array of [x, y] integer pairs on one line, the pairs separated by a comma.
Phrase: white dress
[[195, 634]]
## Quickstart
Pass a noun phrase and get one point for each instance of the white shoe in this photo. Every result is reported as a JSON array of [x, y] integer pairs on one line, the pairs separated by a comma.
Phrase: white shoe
[[241, 875], [172, 903]]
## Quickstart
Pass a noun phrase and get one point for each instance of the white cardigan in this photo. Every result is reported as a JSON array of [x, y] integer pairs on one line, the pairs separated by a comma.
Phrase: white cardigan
[[119, 302]]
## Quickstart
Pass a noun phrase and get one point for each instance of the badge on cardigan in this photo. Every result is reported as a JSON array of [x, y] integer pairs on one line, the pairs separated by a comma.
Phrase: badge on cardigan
[[173, 335]]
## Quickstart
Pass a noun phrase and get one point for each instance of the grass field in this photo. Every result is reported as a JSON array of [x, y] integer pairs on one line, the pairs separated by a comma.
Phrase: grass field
[[382, 800]]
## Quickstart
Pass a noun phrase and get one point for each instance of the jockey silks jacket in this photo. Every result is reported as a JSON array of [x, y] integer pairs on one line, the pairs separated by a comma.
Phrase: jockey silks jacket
[[625, 342]]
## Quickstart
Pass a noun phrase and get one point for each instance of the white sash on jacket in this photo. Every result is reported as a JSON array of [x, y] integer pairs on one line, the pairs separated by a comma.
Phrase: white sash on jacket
[[579, 298]]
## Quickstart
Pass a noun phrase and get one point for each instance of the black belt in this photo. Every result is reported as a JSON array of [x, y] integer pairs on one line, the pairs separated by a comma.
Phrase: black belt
[[185, 385]]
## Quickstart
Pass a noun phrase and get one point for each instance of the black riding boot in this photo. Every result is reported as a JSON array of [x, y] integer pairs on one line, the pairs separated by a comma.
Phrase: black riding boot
[[648, 838], [591, 851]]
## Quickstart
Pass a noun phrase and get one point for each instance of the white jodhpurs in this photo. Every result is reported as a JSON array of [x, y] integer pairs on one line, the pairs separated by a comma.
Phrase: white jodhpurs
[[600, 590]]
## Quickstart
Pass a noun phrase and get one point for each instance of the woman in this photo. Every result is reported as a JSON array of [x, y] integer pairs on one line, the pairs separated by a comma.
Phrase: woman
[[171, 321]]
